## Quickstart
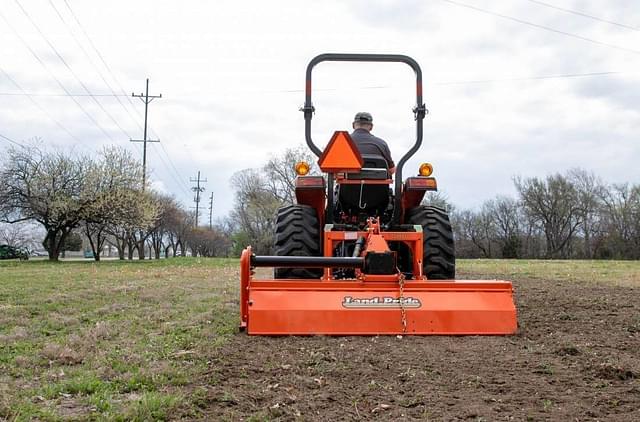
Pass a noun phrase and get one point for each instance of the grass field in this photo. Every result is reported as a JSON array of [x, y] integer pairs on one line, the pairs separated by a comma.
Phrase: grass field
[[116, 339], [135, 340]]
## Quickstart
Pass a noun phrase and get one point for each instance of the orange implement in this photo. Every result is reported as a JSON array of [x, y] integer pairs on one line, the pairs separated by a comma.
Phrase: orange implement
[[305, 307]]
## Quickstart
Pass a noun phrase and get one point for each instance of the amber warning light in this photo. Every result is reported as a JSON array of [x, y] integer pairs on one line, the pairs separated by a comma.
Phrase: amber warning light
[[302, 168], [425, 170]]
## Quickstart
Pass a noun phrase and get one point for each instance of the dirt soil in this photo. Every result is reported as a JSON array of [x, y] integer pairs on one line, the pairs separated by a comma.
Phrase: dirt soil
[[576, 357]]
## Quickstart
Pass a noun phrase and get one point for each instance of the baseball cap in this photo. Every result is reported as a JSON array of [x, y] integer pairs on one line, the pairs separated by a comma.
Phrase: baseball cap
[[364, 117]]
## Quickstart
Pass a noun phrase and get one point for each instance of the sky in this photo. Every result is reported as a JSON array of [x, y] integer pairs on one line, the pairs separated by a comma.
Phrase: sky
[[513, 88]]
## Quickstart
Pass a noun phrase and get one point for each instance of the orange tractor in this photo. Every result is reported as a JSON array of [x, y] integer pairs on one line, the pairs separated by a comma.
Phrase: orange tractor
[[354, 256]]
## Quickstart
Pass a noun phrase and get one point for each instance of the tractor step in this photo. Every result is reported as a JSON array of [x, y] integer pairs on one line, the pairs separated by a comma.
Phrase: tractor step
[[448, 307]]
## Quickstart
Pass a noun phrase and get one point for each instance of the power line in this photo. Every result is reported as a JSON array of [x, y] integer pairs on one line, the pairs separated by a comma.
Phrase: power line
[[546, 28], [6, 138], [181, 184], [104, 62], [178, 179], [527, 78], [517, 78], [64, 62], [60, 84], [42, 109], [170, 167], [585, 15], [35, 94], [84, 51]]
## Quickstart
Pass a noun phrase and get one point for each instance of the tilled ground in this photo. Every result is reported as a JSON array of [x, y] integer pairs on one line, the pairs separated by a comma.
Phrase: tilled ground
[[576, 357]]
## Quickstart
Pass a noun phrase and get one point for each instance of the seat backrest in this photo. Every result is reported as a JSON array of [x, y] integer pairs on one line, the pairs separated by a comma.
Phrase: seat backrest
[[374, 167]]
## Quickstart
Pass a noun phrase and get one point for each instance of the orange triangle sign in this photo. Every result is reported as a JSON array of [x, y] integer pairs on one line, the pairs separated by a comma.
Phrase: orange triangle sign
[[340, 155]]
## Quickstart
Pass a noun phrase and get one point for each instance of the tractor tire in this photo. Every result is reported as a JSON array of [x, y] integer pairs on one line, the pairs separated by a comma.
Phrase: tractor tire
[[438, 259], [297, 234]]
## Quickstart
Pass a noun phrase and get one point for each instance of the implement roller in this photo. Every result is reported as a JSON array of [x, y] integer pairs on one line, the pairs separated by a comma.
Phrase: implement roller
[[354, 257]]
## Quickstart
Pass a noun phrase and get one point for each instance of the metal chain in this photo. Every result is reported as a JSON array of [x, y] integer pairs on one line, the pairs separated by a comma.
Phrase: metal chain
[[403, 312]]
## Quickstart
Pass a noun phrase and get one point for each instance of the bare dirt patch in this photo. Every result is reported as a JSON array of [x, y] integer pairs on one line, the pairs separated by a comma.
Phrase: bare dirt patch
[[575, 357]]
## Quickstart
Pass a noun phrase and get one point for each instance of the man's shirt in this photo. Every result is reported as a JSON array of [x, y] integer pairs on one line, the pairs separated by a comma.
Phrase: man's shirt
[[369, 144]]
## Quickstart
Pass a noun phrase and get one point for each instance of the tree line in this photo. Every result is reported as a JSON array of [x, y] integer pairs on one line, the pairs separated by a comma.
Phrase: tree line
[[574, 215], [102, 199]]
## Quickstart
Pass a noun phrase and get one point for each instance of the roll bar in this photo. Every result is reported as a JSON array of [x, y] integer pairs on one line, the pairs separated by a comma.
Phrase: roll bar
[[419, 112]]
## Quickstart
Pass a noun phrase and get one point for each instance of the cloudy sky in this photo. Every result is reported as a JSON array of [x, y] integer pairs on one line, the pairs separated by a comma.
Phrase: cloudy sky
[[517, 87]]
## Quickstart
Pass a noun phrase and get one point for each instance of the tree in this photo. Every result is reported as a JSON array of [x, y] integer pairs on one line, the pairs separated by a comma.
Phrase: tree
[[438, 199], [259, 194], [141, 210], [622, 221], [174, 223], [475, 228], [73, 242], [49, 188], [115, 183], [553, 204], [161, 230], [504, 212], [254, 209], [21, 235], [589, 194], [209, 242], [280, 175]]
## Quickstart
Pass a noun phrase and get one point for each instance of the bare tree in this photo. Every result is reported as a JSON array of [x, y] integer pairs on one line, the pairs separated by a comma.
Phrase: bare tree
[[21, 234], [589, 194], [209, 242], [622, 220], [254, 209], [504, 212], [552, 203], [476, 228], [280, 175], [172, 217], [438, 199], [259, 194], [166, 227]]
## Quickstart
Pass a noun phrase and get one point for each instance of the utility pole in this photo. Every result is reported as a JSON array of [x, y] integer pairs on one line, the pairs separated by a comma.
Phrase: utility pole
[[146, 99], [211, 212], [197, 189]]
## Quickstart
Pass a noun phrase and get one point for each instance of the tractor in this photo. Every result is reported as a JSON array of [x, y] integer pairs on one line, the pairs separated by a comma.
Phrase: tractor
[[355, 257]]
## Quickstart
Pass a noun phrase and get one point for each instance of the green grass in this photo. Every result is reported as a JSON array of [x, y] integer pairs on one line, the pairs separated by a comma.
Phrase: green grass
[[619, 273], [110, 340], [124, 340]]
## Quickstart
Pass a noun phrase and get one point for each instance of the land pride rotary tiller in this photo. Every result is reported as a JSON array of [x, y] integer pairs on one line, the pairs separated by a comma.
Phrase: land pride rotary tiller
[[352, 257]]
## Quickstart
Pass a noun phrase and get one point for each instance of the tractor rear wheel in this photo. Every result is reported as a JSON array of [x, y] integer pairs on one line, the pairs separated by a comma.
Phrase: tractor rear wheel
[[438, 259], [297, 234]]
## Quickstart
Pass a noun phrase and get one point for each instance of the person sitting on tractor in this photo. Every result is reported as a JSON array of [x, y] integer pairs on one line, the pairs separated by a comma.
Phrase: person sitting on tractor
[[366, 142]]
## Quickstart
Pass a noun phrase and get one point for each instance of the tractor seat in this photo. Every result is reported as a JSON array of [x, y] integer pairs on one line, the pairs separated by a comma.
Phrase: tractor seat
[[368, 198], [375, 167]]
